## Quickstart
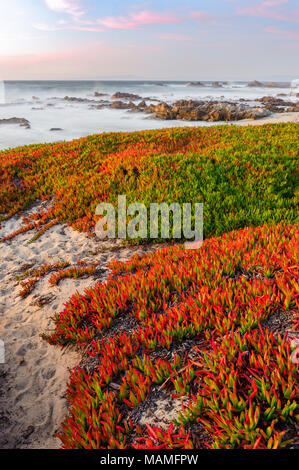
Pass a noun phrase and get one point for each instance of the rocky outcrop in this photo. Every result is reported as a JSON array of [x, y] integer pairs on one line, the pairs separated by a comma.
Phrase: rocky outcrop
[[195, 84], [276, 85], [98, 95], [142, 104], [126, 96], [74, 99], [132, 106], [21, 121], [278, 105], [121, 105], [255, 83], [217, 85], [206, 111]]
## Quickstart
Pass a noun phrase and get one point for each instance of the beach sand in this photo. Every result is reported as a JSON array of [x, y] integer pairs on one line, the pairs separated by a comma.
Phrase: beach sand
[[34, 377], [275, 118]]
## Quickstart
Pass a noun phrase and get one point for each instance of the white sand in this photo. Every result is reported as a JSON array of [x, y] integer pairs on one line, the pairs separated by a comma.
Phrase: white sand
[[33, 379], [273, 119]]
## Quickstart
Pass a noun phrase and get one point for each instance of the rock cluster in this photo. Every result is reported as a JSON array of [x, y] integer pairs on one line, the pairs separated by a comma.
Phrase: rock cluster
[[195, 84], [206, 111], [21, 121], [190, 110], [257, 84], [278, 105], [97, 94], [126, 96], [134, 107]]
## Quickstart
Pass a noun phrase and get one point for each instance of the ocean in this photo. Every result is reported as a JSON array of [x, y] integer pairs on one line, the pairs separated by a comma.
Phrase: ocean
[[42, 103]]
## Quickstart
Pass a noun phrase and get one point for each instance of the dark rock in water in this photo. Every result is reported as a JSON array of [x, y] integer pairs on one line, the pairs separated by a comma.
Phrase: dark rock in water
[[159, 84], [278, 105], [195, 84], [122, 105], [126, 96], [55, 129], [21, 121], [74, 99], [255, 83], [99, 106], [217, 85], [142, 104], [276, 85], [97, 94], [164, 111]]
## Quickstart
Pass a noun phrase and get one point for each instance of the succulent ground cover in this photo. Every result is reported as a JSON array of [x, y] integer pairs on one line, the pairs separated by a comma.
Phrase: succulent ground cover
[[244, 176], [187, 326], [59, 271], [240, 382]]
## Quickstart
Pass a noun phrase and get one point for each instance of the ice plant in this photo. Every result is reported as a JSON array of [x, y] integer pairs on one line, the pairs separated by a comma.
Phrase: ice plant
[[240, 383], [241, 388]]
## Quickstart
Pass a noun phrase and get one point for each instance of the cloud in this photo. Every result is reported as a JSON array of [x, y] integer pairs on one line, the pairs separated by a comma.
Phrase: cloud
[[135, 20], [203, 17], [268, 9], [71, 7], [62, 26], [274, 3]]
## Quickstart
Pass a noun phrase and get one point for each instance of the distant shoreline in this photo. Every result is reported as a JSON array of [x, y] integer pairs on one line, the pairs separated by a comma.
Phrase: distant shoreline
[[35, 112]]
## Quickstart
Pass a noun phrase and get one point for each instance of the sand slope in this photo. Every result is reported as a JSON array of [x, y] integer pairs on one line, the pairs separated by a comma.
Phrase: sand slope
[[33, 379]]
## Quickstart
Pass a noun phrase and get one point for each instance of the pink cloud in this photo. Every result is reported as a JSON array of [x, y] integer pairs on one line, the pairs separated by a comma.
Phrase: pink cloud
[[267, 9], [135, 20], [274, 3], [176, 37]]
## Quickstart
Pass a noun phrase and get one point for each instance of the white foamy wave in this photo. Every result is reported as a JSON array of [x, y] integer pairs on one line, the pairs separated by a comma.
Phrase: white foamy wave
[[2, 92]]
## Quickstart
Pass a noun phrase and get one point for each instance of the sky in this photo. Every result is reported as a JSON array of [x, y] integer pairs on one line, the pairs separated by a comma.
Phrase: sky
[[154, 40]]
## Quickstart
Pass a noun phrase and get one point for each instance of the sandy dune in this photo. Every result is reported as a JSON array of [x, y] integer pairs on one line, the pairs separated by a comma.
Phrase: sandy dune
[[33, 379]]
